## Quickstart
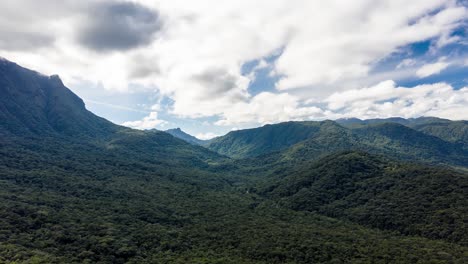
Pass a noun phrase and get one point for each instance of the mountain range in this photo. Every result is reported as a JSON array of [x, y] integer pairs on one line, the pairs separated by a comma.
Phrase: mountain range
[[76, 188]]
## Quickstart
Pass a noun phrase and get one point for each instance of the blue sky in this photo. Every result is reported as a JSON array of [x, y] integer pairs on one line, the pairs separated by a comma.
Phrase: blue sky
[[209, 68]]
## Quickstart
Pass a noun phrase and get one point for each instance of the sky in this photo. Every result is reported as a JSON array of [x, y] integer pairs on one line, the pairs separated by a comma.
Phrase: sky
[[210, 67]]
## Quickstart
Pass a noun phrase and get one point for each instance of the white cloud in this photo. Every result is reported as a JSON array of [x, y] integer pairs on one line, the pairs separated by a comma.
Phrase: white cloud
[[432, 68], [406, 63], [387, 100], [206, 136], [196, 56], [149, 122], [266, 108]]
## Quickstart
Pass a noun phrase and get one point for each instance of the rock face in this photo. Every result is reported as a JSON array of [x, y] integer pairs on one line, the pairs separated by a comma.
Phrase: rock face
[[35, 104]]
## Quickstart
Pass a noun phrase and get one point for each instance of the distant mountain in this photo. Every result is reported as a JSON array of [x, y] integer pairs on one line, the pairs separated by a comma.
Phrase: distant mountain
[[262, 140], [353, 122], [302, 141], [448, 130], [451, 131], [178, 133], [35, 104]]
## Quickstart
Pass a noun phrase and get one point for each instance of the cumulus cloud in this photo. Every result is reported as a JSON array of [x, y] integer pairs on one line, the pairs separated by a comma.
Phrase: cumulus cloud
[[13, 40], [206, 136], [406, 63], [431, 69], [149, 122], [118, 26], [317, 47], [266, 108], [387, 100], [192, 52]]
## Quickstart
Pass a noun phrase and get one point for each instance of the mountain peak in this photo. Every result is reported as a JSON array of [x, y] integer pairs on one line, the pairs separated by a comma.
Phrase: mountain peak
[[179, 133], [36, 104]]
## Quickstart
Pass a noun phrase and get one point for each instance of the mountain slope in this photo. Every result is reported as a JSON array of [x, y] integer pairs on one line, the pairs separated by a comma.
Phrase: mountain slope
[[178, 133]]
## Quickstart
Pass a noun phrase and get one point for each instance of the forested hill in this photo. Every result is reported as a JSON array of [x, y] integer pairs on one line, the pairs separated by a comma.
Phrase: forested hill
[[76, 188], [426, 142]]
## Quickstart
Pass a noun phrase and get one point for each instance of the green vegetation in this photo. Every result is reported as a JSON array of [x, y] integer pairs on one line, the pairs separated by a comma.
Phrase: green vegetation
[[74, 204]]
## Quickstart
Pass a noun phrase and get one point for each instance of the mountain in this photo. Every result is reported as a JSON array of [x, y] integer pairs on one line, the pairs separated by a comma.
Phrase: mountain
[[35, 104], [178, 133], [75, 188]]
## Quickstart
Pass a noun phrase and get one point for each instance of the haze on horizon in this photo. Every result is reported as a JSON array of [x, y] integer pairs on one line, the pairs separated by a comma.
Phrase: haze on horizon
[[213, 66]]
